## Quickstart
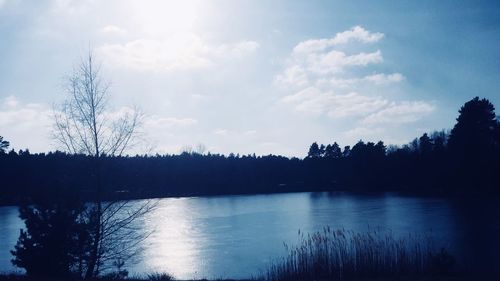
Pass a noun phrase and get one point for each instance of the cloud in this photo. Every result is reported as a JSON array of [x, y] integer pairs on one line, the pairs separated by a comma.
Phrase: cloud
[[236, 50], [362, 132], [10, 102], [400, 113], [322, 80], [155, 122], [377, 79], [180, 52], [220, 132], [28, 125], [113, 30], [356, 33], [312, 100], [336, 61], [382, 78], [317, 59], [250, 133], [293, 75], [70, 7], [19, 120]]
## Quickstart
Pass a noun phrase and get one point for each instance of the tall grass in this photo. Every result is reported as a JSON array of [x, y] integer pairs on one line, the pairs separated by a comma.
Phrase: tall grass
[[343, 255]]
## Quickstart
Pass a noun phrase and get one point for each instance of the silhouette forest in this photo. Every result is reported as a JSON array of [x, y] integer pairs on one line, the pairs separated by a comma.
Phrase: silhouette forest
[[461, 161]]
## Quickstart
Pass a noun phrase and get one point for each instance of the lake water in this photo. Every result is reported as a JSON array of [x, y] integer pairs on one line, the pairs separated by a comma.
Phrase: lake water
[[237, 236]]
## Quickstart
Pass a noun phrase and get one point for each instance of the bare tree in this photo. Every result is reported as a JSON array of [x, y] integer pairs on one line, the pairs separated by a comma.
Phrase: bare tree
[[83, 124]]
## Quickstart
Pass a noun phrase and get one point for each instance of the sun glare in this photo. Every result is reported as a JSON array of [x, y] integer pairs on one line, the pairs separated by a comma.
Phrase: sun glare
[[159, 18]]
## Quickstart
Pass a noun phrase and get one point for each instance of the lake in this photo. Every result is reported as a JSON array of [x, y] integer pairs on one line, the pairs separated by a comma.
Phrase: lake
[[237, 236]]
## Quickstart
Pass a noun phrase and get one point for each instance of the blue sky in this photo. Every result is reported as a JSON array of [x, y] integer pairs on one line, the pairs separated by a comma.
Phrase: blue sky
[[252, 76]]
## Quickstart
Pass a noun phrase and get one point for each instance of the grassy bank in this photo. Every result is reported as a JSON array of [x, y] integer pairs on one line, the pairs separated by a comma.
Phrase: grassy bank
[[345, 255]]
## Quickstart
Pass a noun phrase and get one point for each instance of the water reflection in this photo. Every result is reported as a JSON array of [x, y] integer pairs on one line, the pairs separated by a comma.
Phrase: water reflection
[[172, 245], [9, 232], [235, 236]]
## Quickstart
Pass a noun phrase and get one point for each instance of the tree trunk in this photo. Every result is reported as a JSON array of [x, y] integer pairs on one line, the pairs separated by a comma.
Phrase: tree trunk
[[96, 243]]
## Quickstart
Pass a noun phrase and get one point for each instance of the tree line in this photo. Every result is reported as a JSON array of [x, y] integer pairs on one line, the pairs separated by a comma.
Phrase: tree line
[[80, 223], [462, 160]]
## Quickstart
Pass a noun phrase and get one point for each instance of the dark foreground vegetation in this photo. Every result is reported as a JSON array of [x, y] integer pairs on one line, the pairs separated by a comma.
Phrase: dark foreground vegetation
[[337, 255], [461, 161], [345, 255]]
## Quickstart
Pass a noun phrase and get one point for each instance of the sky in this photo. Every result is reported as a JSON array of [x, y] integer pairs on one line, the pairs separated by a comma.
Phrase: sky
[[264, 77]]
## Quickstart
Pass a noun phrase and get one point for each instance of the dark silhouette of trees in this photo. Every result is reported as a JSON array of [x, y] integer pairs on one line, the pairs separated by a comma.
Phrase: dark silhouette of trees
[[322, 148], [428, 164], [425, 144], [51, 245], [476, 127], [333, 151], [3, 145], [314, 151], [472, 144], [347, 151]]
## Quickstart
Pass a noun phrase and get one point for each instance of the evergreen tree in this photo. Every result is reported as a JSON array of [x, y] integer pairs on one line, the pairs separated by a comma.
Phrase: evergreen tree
[[53, 243], [425, 144], [322, 150], [347, 151], [475, 128], [3, 145], [333, 151], [314, 151]]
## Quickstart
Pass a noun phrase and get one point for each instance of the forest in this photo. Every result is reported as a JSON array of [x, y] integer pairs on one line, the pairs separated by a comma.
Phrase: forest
[[463, 160]]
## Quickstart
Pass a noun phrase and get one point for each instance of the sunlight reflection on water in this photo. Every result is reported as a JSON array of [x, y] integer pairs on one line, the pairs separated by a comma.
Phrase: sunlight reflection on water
[[236, 236]]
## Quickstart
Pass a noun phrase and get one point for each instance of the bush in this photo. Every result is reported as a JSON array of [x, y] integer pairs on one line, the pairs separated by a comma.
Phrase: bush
[[52, 244], [157, 276]]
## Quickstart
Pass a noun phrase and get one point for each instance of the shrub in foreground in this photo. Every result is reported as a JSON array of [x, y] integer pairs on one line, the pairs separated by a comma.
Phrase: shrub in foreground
[[343, 255], [157, 276]]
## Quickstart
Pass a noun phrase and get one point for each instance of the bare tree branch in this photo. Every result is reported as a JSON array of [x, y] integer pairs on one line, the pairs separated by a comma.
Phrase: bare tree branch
[[83, 124]]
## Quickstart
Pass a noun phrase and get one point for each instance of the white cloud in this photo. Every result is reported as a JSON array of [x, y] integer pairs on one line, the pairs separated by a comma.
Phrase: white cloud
[[317, 58], [382, 78], [356, 33], [327, 81], [236, 50], [113, 30], [10, 102], [220, 132], [400, 113], [25, 125], [336, 61], [359, 133], [180, 52], [293, 75], [70, 7], [377, 79], [28, 125], [373, 110], [250, 133], [312, 100], [155, 122]]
